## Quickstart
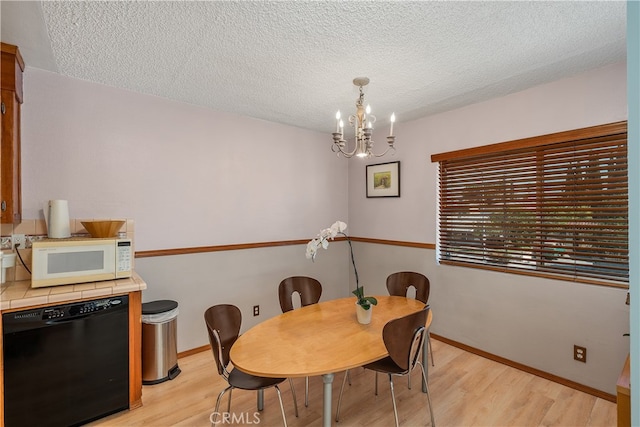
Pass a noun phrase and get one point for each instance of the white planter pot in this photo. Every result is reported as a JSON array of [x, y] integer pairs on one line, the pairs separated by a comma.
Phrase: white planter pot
[[364, 316]]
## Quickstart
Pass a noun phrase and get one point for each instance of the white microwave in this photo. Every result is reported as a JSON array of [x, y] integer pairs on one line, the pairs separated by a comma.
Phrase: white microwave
[[79, 260]]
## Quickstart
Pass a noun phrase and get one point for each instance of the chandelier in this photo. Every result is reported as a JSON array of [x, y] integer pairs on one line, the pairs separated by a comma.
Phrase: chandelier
[[362, 122]]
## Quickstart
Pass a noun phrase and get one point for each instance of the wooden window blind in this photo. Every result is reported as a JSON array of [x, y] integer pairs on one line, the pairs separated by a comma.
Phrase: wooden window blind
[[555, 205]]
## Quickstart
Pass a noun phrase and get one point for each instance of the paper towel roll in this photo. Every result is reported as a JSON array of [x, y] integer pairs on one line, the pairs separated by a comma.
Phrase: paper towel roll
[[58, 224]]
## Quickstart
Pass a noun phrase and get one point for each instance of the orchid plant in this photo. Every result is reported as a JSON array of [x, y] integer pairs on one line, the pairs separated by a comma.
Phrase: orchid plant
[[322, 241]]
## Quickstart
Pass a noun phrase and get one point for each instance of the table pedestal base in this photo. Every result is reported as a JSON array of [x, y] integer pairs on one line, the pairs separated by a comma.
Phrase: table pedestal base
[[327, 379], [260, 402]]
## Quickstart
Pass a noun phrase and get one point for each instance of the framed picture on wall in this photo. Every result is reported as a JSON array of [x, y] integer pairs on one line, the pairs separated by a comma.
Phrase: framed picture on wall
[[383, 180]]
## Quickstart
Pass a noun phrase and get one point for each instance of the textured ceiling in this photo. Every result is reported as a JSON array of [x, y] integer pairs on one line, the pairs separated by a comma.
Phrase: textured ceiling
[[293, 62]]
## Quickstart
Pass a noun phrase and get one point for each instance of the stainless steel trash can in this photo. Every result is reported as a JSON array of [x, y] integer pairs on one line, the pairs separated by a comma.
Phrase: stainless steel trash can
[[159, 342]]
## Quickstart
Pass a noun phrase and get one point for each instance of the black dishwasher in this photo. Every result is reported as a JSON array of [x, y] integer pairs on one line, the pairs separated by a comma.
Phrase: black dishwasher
[[66, 365]]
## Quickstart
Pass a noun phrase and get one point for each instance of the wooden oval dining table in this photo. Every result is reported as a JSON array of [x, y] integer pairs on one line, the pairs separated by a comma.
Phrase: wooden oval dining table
[[319, 339]]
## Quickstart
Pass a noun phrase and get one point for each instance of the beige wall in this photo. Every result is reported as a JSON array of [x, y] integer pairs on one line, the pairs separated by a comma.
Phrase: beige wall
[[194, 177], [189, 176], [531, 321], [241, 277], [528, 320]]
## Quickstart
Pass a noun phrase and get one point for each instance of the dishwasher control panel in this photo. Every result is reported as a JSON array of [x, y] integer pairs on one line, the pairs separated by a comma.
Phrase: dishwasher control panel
[[62, 312], [52, 313], [93, 306]]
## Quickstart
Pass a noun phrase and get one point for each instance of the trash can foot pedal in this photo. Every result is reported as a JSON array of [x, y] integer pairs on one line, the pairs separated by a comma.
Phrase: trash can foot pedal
[[174, 372]]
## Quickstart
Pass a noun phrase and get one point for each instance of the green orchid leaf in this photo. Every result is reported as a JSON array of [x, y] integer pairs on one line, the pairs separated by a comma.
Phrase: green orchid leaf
[[364, 302]]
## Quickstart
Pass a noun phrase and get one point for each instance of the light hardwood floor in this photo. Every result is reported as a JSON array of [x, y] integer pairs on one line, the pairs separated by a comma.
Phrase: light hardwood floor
[[466, 390]]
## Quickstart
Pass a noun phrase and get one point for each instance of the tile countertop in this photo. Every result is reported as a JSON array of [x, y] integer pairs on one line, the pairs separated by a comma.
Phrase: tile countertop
[[20, 294]]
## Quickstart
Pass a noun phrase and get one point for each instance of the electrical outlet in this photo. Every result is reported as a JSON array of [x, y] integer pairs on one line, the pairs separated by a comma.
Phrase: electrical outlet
[[580, 353], [18, 241], [256, 310]]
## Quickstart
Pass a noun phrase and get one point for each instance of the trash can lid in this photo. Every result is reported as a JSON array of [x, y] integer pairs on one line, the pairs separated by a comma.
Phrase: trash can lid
[[160, 306]]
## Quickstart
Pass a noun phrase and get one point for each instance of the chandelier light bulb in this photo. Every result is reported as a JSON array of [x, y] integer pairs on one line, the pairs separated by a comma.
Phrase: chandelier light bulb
[[368, 109], [393, 119], [338, 121]]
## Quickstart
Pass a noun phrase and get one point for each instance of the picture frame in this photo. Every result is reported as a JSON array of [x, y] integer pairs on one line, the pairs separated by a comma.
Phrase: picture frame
[[383, 180]]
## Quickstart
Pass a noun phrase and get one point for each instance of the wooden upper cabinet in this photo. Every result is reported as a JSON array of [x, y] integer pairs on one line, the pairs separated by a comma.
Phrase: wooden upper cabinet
[[11, 68]]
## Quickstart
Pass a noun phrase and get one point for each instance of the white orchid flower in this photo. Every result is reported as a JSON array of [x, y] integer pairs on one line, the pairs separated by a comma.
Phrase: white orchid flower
[[326, 234], [312, 249], [338, 227], [322, 239]]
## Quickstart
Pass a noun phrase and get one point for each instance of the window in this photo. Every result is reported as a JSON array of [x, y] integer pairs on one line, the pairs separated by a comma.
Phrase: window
[[553, 206]]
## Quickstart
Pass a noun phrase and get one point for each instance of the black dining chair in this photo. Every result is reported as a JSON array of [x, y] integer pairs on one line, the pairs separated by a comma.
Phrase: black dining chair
[[223, 326], [310, 291], [398, 284], [403, 338]]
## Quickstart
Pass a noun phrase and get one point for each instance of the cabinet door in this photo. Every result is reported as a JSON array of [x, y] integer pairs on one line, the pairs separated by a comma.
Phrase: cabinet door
[[10, 191]]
